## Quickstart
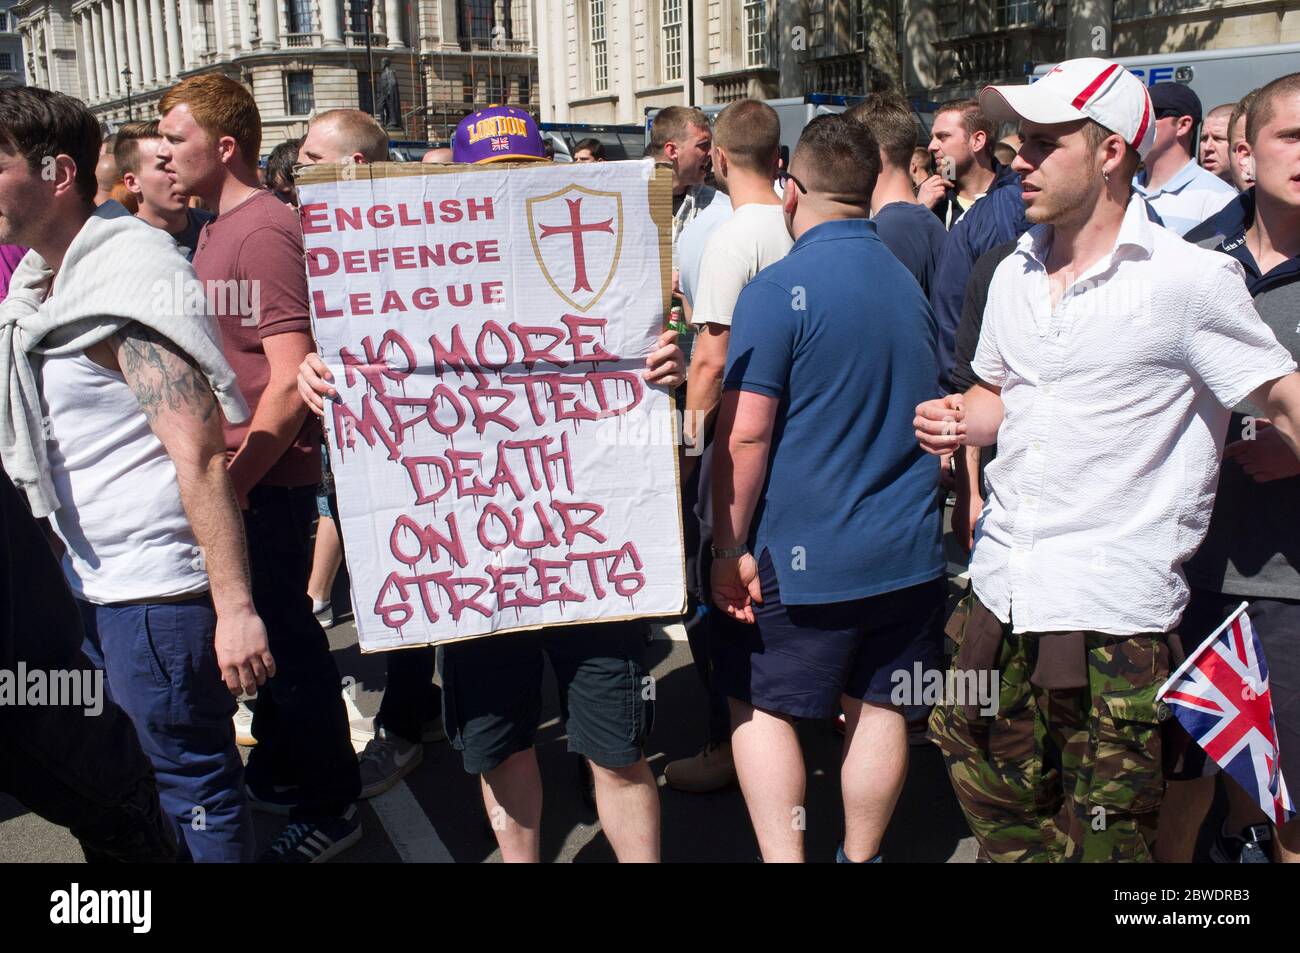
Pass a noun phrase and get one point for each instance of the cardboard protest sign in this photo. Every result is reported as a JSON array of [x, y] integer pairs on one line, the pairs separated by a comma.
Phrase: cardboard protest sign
[[499, 461]]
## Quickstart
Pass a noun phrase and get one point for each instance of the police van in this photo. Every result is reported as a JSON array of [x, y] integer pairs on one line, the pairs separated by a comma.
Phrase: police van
[[1216, 76]]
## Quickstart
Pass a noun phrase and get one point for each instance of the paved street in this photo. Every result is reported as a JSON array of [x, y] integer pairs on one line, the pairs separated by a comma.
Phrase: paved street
[[436, 814]]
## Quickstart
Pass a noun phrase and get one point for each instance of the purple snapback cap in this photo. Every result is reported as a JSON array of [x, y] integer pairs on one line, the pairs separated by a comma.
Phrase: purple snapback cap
[[498, 134]]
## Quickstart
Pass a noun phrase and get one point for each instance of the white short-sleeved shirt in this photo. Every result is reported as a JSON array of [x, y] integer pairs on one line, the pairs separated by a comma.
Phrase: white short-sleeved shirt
[[754, 237], [1115, 412], [691, 242], [1188, 199]]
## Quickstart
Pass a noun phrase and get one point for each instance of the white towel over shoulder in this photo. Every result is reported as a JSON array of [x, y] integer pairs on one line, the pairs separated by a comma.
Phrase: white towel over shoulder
[[117, 270]]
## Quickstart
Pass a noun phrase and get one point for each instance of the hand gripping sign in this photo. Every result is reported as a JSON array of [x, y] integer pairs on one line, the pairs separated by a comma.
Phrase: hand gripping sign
[[487, 326]]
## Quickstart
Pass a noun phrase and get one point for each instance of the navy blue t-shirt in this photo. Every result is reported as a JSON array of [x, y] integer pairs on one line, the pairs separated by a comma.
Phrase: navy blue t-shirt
[[839, 333], [915, 235]]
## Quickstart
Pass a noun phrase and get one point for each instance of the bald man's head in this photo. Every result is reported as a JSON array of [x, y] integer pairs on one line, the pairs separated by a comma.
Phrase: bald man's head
[[340, 135], [106, 176], [439, 156]]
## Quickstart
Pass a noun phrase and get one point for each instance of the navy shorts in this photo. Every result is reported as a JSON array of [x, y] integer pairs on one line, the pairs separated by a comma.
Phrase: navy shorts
[[799, 660], [492, 692], [1277, 622]]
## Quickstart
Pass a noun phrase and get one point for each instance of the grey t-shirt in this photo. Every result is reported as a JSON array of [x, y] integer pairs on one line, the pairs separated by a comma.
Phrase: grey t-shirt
[[1252, 547]]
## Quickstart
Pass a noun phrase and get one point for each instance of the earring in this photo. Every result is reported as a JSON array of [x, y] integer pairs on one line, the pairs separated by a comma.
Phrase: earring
[[1106, 176]]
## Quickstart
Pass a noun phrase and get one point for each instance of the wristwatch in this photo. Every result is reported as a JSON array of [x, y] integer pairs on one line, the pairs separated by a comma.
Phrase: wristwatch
[[730, 553]]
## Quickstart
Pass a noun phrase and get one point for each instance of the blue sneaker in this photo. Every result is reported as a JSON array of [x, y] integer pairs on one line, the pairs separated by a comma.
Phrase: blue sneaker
[[314, 842]]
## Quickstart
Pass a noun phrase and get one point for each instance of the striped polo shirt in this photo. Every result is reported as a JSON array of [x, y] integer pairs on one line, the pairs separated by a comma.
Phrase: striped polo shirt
[[1188, 199]]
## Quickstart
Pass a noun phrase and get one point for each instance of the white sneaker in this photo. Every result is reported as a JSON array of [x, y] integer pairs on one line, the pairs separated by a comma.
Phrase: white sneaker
[[244, 726], [324, 613]]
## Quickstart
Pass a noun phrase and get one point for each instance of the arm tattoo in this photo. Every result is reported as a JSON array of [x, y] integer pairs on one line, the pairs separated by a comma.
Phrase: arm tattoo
[[162, 377]]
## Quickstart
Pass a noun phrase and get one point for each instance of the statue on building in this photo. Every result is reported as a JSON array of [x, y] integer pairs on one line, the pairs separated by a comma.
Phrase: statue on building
[[390, 100]]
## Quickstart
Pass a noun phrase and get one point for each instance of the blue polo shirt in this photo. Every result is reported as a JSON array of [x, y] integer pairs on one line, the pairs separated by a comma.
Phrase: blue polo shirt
[[840, 332]]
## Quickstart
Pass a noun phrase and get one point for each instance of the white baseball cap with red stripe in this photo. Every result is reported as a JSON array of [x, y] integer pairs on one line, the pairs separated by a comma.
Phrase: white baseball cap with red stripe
[[1087, 88]]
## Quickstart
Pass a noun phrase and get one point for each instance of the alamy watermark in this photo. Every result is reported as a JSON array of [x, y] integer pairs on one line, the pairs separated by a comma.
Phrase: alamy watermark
[[65, 688], [215, 297], [921, 686]]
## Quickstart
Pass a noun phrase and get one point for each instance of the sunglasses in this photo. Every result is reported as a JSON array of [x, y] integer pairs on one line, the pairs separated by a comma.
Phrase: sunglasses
[[783, 177]]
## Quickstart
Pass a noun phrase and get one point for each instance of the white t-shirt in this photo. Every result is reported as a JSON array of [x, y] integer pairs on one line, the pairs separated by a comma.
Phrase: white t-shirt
[[1116, 406], [754, 237], [125, 532], [691, 242]]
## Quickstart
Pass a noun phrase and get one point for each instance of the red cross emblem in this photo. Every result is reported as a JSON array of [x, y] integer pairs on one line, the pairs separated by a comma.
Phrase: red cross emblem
[[577, 236]]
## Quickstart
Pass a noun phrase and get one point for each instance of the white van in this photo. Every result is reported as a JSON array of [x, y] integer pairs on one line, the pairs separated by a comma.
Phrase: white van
[[1216, 76]]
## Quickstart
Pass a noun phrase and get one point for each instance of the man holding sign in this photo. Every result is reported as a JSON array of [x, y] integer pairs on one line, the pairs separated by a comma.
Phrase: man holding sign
[[522, 552]]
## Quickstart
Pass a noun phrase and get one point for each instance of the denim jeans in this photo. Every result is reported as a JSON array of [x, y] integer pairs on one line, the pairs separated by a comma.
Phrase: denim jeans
[[300, 722], [77, 768], [162, 669]]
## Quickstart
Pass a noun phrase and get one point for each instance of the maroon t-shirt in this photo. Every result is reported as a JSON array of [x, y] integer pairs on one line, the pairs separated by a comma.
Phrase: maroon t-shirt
[[258, 245]]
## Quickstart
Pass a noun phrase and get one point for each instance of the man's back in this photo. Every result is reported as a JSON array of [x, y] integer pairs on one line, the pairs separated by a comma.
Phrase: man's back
[[915, 236], [841, 335], [754, 237]]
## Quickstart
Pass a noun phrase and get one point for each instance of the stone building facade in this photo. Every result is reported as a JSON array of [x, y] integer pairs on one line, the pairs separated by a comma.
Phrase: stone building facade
[[298, 57]]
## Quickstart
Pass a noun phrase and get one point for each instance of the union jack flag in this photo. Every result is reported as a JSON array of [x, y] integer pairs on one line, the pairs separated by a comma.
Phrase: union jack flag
[[500, 143], [1221, 696]]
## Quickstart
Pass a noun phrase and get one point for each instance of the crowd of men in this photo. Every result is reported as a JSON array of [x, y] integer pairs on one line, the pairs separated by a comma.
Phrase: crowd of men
[[1073, 334]]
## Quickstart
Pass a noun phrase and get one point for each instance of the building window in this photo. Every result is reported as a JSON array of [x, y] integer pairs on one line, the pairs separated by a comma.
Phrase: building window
[[670, 27], [302, 98], [1014, 12], [477, 18], [498, 92], [755, 12], [364, 101], [467, 89], [209, 20], [356, 17], [859, 24], [599, 52], [6, 62], [525, 90], [300, 16]]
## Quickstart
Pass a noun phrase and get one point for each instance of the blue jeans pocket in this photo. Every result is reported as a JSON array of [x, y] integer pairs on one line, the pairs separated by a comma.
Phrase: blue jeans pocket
[[155, 647]]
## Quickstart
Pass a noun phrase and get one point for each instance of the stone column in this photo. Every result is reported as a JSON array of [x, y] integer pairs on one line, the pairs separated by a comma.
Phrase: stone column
[[117, 43], [330, 31], [146, 43], [159, 40], [81, 27], [245, 24], [182, 45], [1088, 29], [395, 27], [133, 43], [222, 15], [268, 15], [98, 58]]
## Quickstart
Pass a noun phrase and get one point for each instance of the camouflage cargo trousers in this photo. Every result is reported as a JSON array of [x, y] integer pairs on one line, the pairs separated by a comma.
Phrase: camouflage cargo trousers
[[1066, 775]]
